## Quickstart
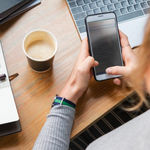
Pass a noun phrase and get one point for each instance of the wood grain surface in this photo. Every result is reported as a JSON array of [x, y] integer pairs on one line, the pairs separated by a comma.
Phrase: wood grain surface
[[34, 92]]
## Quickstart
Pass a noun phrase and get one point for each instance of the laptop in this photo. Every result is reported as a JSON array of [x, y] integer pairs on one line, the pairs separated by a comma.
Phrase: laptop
[[9, 119], [132, 15], [9, 6], [20, 10]]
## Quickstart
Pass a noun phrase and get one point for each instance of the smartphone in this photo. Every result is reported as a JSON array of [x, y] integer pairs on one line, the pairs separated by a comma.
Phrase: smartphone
[[104, 43]]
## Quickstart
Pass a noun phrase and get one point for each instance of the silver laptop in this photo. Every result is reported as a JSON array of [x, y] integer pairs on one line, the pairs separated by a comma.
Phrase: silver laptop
[[131, 15]]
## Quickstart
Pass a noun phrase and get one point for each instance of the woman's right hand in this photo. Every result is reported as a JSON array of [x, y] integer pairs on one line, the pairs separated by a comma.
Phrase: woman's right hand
[[129, 58], [79, 79]]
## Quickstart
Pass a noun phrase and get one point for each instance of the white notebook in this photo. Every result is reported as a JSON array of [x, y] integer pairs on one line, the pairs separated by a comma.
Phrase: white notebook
[[8, 111]]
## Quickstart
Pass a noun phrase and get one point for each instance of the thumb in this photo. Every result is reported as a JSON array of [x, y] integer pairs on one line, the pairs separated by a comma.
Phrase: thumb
[[116, 70], [88, 63]]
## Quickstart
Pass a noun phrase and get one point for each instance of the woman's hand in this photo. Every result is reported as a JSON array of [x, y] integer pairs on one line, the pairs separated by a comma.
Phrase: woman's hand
[[129, 58], [79, 79]]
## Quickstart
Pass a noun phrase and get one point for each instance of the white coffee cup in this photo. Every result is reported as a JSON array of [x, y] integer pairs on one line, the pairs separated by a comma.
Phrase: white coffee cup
[[40, 47]]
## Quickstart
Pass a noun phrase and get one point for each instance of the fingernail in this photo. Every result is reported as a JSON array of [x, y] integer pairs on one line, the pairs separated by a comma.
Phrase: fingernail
[[97, 62], [108, 70]]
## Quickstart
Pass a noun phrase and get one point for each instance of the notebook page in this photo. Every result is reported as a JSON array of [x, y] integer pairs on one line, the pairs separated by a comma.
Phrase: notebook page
[[8, 111]]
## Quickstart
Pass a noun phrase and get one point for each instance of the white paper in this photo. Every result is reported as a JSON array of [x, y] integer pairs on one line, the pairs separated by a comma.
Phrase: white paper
[[8, 111]]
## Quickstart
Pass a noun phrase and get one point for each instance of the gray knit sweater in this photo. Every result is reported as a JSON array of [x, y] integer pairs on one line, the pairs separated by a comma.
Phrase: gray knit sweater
[[55, 134]]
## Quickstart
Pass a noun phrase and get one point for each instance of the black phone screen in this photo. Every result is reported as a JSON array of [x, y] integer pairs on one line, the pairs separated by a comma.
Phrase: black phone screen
[[105, 44]]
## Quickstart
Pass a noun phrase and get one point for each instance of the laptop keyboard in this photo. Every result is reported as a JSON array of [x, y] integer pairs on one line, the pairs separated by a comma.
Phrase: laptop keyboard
[[124, 9]]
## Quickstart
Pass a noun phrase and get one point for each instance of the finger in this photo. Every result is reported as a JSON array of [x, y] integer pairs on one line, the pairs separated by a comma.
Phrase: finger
[[88, 64], [127, 53], [95, 64], [116, 70], [126, 48], [117, 81], [84, 50], [122, 34], [91, 73], [124, 40]]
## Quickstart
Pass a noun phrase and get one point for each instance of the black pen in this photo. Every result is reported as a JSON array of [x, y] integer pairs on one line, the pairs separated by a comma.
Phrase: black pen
[[2, 77]]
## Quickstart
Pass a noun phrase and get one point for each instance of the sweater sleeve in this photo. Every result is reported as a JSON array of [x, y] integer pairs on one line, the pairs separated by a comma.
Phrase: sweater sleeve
[[55, 134]]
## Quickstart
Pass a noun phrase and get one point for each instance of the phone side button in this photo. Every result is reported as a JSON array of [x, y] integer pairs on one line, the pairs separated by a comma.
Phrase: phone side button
[[130, 16]]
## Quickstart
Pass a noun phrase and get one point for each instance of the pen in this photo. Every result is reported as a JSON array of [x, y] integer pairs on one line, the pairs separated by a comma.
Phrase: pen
[[13, 76], [2, 77]]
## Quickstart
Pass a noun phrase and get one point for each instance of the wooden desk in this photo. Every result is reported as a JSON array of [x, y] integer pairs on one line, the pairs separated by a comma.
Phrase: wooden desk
[[34, 92]]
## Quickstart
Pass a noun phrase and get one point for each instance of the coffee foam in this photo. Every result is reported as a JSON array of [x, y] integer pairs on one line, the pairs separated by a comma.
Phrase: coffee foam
[[40, 50]]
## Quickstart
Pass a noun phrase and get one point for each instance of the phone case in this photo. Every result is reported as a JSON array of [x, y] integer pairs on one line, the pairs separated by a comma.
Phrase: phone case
[[93, 69]]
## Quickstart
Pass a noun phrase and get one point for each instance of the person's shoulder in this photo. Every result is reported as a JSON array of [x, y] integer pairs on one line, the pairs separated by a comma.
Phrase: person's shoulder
[[135, 133]]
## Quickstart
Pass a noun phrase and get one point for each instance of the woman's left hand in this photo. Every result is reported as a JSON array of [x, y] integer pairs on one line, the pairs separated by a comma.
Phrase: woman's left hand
[[129, 58], [79, 79]]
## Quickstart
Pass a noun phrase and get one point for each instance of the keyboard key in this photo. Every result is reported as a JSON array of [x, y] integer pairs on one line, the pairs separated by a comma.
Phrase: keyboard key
[[80, 16], [104, 9], [137, 7], [138, 1], [114, 1], [131, 2], [130, 8], [106, 2], [148, 2], [82, 29], [90, 12], [124, 4], [146, 11], [76, 10], [80, 23], [144, 5], [118, 6], [111, 7], [117, 12], [130, 15], [80, 2], [92, 5], [123, 10], [72, 4], [100, 4], [86, 7], [96, 11], [87, 1]]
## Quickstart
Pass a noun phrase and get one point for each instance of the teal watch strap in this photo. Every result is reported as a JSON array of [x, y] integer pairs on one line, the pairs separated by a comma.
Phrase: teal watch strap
[[63, 101]]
